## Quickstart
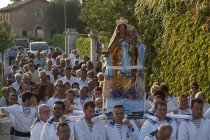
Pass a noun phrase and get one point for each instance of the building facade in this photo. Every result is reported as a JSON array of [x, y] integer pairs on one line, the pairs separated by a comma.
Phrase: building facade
[[28, 18]]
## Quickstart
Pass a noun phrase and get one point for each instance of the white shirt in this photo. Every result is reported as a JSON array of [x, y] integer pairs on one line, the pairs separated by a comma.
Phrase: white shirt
[[188, 130], [152, 125], [49, 130], [22, 123], [71, 80], [51, 101], [36, 129], [82, 83], [82, 131], [16, 86], [53, 80], [113, 133], [79, 104]]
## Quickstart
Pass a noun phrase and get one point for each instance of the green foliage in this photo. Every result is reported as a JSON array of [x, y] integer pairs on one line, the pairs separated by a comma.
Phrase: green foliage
[[56, 15], [58, 40], [101, 16], [180, 35], [82, 43], [5, 38]]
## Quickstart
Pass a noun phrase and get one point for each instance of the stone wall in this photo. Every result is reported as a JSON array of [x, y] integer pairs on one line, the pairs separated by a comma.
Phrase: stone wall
[[5, 128]]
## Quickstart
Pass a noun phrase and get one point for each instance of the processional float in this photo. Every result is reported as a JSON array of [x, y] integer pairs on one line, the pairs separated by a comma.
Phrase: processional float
[[124, 75]]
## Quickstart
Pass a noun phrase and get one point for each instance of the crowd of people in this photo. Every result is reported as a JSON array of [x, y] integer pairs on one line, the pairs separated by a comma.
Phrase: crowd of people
[[45, 91]]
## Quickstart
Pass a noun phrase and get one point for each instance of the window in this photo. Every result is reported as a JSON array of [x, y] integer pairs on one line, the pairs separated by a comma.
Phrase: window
[[24, 33]]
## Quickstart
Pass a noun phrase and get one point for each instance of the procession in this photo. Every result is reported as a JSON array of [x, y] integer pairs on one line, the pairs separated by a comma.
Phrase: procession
[[51, 93]]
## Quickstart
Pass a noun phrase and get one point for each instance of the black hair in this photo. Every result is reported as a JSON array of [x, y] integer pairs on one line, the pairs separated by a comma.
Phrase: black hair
[[60, 103], [26, 95], [196, 100]]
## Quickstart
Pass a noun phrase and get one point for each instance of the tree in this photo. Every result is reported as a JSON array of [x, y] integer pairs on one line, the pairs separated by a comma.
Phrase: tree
[[56, 15], [179, 32], [6, 39], [14, 1], [101, 16]]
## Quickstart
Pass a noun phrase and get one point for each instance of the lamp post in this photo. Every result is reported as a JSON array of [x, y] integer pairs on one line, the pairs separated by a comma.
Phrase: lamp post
[[65, 27]]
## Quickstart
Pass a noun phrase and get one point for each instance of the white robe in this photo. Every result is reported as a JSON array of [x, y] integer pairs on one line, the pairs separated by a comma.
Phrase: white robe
[[82, 131], [113, 133], [36, 129], [151, 125], [188, 130], [22, 123], [49, 130]]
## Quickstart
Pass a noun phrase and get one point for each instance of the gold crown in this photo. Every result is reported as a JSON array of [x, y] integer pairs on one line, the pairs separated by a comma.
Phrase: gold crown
[[122, 21]]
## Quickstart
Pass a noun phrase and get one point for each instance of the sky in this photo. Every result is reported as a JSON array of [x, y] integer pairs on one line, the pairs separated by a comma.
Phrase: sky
[[4, 3]]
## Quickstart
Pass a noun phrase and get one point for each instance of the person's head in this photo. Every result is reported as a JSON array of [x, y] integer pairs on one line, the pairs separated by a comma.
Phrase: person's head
[[164, 131], [31, 67], [42, 91], [118, 113], [67, 85], [54, 71], [90, 85], [194, 88], [99, 102], [159, 93], [4, 91], [63, 131], [58, 109], [201, 96], [75, 85], [100, 76], [13, 98], [183, 101], [34, 99], [70, 95], [78, 73], [34, 89], [23, 87], [197, 108], [67, 105], [89, 65], [67, 71], [26, 78], [43, 76], [161, 110], [157, 99], [97, 92], [122, 28], [26, 97], [62, 63], [164, 87], [83, 92], [25, 68], [153, 89], [14, 68], [83, 74], [89, 109], [44, 112], [60, 91], [18, 77]]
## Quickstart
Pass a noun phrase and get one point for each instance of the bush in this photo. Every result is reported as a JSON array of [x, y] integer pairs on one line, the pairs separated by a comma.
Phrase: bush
[[82, 43]]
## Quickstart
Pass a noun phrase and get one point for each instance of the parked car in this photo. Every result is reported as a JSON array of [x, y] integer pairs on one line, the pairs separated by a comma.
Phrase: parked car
[[34, 46]]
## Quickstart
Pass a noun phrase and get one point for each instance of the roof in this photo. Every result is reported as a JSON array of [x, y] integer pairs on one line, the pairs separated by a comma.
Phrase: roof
[[17, 4]]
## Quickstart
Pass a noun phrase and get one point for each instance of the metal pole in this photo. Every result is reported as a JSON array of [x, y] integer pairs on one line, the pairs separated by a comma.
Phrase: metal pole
[[65, 26], [2, 60]]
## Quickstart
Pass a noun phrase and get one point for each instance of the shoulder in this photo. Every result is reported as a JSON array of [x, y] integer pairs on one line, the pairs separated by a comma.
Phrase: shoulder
[[36, 122], [110, 124], [50, 121]]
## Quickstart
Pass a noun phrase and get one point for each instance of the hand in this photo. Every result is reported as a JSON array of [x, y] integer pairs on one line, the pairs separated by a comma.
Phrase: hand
[[128, 123]]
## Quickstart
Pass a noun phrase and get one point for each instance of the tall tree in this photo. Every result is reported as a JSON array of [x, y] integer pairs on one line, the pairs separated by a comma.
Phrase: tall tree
[[56, 15], [101, 15]]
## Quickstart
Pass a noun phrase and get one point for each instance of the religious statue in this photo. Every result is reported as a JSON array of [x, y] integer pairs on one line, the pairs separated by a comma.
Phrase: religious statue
[[124, 76]]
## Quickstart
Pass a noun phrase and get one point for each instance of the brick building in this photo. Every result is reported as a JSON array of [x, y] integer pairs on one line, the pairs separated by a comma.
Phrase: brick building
[[27, 18]]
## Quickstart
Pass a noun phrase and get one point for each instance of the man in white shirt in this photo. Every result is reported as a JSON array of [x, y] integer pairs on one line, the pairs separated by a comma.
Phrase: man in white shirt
[[198, 128], [49, 129], [119, 129], [85, 129], [34, 73], [154, 122], [68, 77], [82, 97], [24, 116], [16, 84], [83, 80], [36, 128], [54, 77], [59, 95]]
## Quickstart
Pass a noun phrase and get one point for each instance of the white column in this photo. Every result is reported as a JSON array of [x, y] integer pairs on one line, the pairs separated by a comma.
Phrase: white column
[[93, 45]]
